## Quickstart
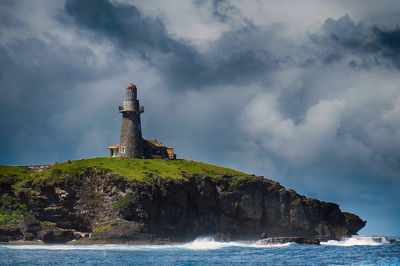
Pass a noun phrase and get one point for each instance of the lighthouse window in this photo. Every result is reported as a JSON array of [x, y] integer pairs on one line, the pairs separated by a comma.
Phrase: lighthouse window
[[123, 149]]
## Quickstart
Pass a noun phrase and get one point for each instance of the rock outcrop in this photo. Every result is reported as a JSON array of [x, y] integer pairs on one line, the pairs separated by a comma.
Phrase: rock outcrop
[[103, 207], [283, 240], [10, 232]]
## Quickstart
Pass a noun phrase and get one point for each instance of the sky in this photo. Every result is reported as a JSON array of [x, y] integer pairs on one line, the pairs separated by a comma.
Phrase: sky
[[306, 93]]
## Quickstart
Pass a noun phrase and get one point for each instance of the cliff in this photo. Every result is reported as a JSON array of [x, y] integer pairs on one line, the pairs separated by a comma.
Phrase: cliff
[[122, 200]]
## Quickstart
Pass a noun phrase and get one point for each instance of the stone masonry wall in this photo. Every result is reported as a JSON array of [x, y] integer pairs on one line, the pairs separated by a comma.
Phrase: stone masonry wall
[[131, 136]]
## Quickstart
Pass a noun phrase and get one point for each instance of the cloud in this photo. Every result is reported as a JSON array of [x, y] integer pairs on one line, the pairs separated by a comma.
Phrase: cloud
[[295, 143], [374, 45], [124, 25], [224, 11], [177, 60]]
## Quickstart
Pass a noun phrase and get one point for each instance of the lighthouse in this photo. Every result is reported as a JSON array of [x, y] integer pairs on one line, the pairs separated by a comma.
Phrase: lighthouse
[[130, 141], [131, 144]]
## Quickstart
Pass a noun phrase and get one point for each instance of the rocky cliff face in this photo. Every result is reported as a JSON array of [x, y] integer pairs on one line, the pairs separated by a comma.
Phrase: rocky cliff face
[[99, 206]]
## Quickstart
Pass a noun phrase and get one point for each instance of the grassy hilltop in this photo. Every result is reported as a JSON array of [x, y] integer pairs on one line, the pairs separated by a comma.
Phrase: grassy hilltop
[[133, 169]]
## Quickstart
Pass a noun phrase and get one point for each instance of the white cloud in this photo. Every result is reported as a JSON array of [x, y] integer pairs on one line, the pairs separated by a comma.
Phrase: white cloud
[[300, 143]]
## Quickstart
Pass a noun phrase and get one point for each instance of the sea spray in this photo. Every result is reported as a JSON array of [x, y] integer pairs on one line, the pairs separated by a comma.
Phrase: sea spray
[[358, 241], [200, 243]]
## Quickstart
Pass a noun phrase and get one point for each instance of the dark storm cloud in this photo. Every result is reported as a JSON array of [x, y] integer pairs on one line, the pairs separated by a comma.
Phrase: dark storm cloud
[[238, 56], [125, 25], [231, 60], [235, 58], [375, 45]]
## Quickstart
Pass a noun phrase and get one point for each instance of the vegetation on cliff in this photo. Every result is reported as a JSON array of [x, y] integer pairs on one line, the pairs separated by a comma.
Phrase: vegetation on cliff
[[13, 174], [11, 211]]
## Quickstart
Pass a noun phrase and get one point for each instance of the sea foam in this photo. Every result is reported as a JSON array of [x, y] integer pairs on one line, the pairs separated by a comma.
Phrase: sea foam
[[200, 243], [358, 241]]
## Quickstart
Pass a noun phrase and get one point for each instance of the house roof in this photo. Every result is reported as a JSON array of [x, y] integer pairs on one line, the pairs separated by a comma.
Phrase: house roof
[[113, 146], [155, 143]]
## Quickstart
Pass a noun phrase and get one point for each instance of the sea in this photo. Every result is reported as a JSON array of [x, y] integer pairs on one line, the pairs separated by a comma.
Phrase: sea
[[356, 250]]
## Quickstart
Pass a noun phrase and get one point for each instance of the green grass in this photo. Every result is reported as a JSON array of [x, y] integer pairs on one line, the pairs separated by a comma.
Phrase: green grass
[[132, 169], [137, 169], [13, 173]]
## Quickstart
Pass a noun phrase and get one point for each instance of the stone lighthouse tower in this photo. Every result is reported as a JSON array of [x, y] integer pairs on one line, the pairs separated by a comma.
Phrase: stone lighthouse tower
[[131, 142]]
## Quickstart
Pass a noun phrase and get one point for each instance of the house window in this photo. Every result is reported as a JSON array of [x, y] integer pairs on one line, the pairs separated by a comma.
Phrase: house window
[[123, 149]]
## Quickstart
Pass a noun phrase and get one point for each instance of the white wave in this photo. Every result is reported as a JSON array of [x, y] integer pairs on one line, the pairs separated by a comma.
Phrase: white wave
[[204, 243], [358, 241], [200, 243]]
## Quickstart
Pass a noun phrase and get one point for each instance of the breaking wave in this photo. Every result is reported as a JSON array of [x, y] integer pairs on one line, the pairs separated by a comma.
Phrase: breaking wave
[[358, 241], [200, 243], [204, 243]]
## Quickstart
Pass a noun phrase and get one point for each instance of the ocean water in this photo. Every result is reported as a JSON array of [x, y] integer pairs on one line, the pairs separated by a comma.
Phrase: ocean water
[[357, 250]]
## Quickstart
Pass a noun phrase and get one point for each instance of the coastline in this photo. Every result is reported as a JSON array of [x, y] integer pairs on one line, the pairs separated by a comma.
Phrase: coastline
[[260, 242], [204, 251], [90, 242]]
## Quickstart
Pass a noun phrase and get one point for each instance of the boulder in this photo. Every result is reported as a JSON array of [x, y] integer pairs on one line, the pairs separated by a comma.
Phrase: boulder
[[56, 235]]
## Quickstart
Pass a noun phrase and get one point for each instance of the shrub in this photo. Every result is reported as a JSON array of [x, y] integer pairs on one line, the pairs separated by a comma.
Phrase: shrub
[[49, 224], [102, 228], [296, 201], [123, 202], [11, 211]]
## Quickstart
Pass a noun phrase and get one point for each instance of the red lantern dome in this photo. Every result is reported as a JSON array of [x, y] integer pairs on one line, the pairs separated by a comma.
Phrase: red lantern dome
[[131, 87]]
